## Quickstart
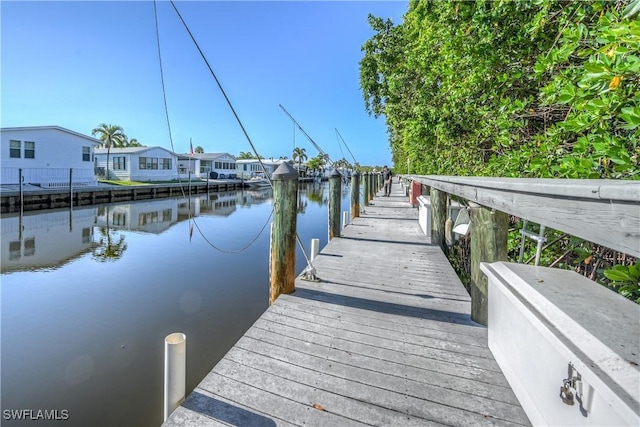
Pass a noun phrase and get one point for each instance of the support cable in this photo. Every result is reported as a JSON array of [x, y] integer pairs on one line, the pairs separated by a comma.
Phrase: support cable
[[309, 268], [166, 110]]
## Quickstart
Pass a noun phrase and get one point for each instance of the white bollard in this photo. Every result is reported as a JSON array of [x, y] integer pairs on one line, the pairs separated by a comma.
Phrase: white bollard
[[345, 219], [315, 248], [175, 360]]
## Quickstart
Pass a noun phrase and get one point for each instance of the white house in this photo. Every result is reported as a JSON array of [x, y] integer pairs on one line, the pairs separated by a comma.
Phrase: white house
[[248, 167], [224, 164], [46, 155], [143, 164]]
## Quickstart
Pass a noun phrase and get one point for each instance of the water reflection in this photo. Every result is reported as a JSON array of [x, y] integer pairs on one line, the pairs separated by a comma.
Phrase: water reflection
[[45, 240], [50, 239], [87, 336]]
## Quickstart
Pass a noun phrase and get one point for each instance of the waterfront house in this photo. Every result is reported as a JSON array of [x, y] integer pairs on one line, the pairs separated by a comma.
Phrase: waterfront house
[[248, 167], [144, 164], [46, 155], [223, 164]]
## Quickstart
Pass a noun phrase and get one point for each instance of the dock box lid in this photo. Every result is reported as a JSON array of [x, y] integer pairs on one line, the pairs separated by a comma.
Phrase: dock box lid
[[593, 321]]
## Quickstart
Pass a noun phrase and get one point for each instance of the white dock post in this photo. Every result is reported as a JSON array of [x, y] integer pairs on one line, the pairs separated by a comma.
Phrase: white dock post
[[175, 359], [315, 248], [345, 219]]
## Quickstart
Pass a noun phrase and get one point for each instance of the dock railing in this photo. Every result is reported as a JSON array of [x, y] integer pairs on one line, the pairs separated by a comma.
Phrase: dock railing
[[551, 329], [602, 211]]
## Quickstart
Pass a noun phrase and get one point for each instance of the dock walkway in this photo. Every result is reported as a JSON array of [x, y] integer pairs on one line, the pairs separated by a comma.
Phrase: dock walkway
[[385, 338]]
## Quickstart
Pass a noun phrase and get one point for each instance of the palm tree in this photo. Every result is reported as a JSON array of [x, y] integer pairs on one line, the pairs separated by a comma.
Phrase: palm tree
[[111, 136], [199, 149], [107, 248], [300, 155], [246, 155], [133, 143]]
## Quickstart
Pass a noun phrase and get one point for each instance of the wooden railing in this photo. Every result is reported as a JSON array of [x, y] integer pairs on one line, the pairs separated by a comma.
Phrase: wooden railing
[[606, 212]]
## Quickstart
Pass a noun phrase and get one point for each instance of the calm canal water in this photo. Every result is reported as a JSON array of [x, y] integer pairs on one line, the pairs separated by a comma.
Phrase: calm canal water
[[88, 296]]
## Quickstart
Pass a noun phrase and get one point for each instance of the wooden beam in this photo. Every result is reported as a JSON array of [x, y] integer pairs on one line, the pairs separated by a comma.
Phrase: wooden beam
[[606, 212]]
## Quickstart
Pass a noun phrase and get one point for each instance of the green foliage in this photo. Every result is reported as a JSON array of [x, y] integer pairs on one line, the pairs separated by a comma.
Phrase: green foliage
[[531, 88], [626, 280], [315, 163]]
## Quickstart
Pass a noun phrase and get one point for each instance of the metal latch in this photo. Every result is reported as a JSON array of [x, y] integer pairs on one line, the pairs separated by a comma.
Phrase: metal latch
[[565, 392], [574, 388]]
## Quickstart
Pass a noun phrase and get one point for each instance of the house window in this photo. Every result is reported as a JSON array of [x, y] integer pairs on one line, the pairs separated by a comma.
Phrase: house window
[[14, 149], [86, 154], [119, 218], [148, 218], [30, 246], [119, 163], [29, 150], [148, 163], [166, 163], [166, 215], [86, 235], [14, 250]]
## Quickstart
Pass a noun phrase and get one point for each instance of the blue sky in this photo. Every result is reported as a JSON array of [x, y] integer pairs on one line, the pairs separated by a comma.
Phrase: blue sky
[[77, 64]]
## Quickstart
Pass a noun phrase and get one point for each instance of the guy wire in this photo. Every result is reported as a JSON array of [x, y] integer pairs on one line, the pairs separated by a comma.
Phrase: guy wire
[[166, 109]]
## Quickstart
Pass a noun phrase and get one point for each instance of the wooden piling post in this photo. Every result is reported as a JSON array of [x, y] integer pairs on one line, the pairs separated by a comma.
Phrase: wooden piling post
[[282, 259], [335, 196], [70, 186], [438, 218], [372, 179], [355, 195], [365, 188], [489, 230], [21, 181]]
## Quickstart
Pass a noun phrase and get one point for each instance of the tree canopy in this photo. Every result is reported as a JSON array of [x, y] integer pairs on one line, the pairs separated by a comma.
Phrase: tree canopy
[[536, 88]]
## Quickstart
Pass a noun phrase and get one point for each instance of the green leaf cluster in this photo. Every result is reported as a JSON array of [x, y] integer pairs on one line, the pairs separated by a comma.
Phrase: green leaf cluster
[[625, 279], [529, 88], [534, 88]]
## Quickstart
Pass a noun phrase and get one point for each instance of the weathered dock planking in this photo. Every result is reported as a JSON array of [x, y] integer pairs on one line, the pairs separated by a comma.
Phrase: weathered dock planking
[[384, 338]]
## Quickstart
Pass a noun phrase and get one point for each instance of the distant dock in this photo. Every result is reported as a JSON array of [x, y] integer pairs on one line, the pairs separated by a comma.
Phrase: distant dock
[[35, 198], [384, 338]]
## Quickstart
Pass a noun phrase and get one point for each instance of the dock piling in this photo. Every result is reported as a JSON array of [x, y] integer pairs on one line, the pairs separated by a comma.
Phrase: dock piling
[[438, 218], [283, 232], [335, 195], [355, 195], [71, 187], [365, 188], [489, 231]]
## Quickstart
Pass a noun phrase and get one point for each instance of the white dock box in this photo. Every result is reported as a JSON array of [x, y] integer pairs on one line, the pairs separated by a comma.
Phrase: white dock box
[[424, 214], [553, 331]]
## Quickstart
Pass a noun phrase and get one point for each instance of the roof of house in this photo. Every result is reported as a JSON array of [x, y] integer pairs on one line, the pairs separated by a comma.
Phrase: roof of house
[[52, 127], [264, 161], [131, 150], [210, 156]]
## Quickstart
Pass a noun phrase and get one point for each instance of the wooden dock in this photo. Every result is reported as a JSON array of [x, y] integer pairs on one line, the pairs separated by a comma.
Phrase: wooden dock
[[384, 338]]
